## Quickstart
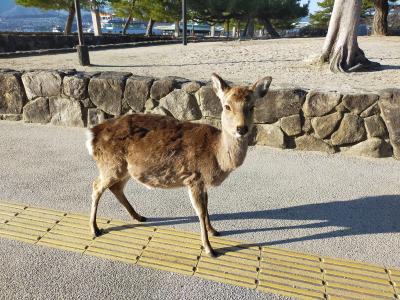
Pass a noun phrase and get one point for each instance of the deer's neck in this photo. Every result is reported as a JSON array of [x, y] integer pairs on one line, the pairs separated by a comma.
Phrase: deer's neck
[[231, 151]]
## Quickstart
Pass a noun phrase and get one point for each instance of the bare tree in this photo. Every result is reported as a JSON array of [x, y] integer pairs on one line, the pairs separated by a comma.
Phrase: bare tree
[[380, 17], [341, 48], [70, 19], [95, 12], [149, 29]]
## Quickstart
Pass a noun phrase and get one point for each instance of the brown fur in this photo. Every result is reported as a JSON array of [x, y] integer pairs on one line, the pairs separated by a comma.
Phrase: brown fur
[[162, 152]]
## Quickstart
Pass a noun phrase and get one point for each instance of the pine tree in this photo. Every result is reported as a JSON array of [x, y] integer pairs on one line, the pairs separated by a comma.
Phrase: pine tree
[[281, 12], [61, 5], [56, 5], [380, 24]]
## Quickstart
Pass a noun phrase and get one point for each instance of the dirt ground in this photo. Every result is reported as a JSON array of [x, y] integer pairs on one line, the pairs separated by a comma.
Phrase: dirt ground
[[239, 61]]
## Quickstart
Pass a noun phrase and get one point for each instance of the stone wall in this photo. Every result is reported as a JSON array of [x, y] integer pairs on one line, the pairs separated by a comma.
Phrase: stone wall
[[357, 124]]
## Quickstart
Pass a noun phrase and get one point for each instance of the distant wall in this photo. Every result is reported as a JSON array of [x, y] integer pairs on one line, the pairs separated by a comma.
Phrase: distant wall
[[11, 42], [357, 124]]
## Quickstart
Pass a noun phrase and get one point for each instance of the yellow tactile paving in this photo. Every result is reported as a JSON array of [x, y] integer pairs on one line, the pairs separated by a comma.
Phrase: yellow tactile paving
[[267, 269]]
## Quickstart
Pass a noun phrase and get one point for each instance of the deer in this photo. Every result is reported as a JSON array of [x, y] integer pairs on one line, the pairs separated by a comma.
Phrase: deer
[[162, 152]]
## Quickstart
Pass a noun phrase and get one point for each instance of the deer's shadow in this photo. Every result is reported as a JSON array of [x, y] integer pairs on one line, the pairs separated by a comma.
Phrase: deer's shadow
[[369, 215]]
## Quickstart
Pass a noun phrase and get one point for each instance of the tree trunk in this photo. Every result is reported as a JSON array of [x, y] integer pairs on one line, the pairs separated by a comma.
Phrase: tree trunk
[[177, 30], [70, 19], [270, 29], [96, 18], [246, 27], [212, 31], [380, 26], [341, 47], [250, 29], [128, 21], [227, 28], [149, 29]]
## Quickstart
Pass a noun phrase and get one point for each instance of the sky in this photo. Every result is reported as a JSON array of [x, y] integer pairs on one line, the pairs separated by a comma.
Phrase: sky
[[313, 5]]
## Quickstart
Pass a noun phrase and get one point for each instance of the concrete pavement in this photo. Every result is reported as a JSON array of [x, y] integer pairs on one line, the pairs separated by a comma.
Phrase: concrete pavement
[[328, 205]]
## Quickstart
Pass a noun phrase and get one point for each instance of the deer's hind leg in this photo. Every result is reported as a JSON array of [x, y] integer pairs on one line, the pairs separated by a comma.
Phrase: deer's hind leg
[[118, 190]]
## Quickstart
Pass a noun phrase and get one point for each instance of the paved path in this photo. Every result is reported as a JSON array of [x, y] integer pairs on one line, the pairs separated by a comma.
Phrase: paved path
[[327, 205]]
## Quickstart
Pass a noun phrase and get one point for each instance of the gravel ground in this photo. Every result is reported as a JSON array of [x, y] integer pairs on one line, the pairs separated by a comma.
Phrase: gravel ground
[[245, 61]]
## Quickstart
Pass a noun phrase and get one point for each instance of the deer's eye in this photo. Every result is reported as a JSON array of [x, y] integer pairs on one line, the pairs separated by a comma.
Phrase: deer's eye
[[227, 107], [251, 109]]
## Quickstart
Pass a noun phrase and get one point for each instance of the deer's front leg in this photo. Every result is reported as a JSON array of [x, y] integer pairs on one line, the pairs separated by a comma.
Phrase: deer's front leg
[[198, 198], [211, 230]]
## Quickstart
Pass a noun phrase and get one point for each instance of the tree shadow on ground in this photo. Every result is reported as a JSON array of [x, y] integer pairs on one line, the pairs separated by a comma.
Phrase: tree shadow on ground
[[388, 67], [195, 64], [369, 215], [382, 68]]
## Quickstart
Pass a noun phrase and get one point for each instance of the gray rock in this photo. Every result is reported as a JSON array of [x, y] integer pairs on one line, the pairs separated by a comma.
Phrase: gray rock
[[161, 111], [178, 81], [341, 108], [269, 135], [389, 104], [12, 96], [95, 116], [106, 91], [375, 127], [191, 87], [182, 105], [11, 117], [319, 103], [373, 147], [42, 84], [311, 143], [150, 104], [125, 108], [76, 86], [351, 130], [162, 87], [370, 111], [209, 103], [357, 103], [137, 91], [277, 104], [307, 126], [291, 125], [87, 103], [324, 126], [65, 112], [37, 111]]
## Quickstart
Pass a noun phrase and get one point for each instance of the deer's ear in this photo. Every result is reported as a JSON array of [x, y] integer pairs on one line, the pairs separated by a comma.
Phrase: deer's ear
[[219, 86], [261, 87]]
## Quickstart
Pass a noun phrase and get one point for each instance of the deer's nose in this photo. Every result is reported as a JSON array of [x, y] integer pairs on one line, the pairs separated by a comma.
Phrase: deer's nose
[[242, 130]]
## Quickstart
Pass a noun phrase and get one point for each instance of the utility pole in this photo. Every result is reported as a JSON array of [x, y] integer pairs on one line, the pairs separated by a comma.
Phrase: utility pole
[[184, 17], [83, 51]]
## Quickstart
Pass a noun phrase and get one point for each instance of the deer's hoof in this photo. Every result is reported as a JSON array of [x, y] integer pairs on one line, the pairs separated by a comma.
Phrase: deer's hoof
[[213, 232], [97, 232], [141, 219], [211, 253]]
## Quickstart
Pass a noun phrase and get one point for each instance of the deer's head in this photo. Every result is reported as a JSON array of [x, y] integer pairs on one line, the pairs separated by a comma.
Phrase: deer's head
[[238, 104]]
